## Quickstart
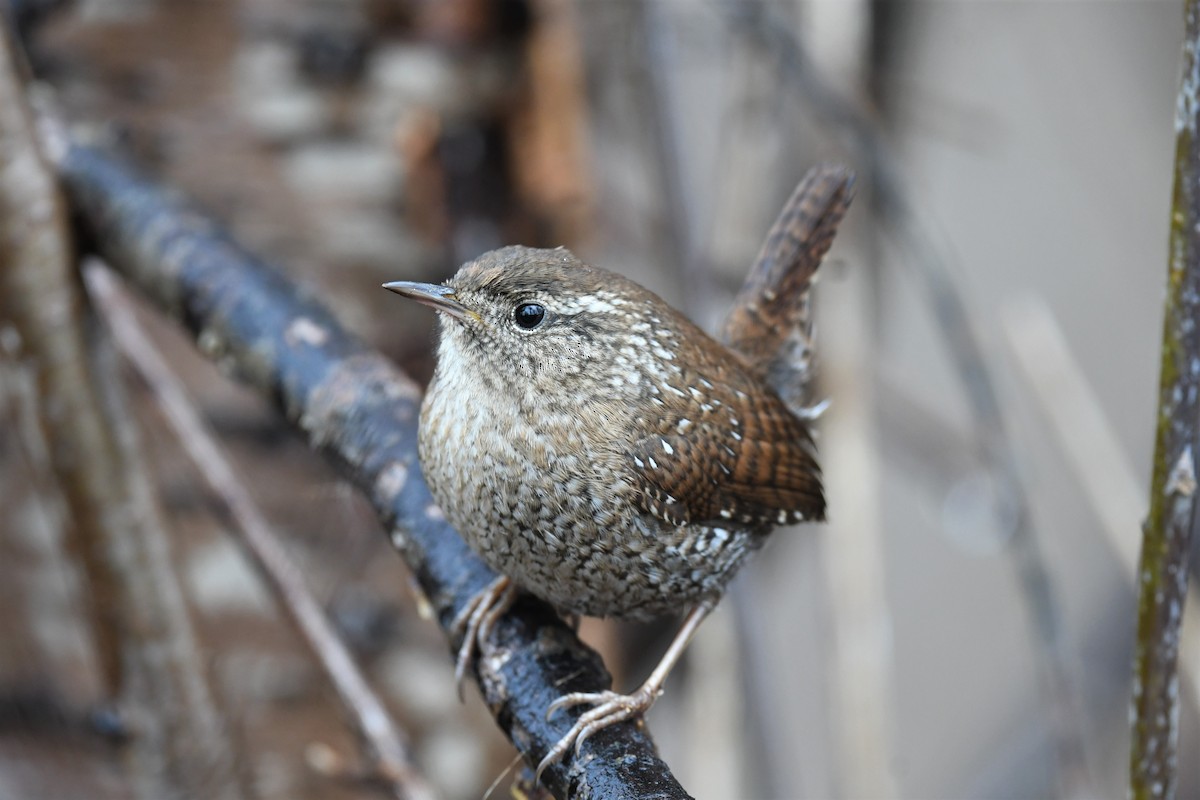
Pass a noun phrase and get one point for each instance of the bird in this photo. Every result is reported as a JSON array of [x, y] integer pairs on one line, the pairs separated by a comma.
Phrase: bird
[[600, 451]]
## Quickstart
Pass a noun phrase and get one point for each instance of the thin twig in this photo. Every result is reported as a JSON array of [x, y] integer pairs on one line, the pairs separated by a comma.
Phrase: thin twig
[[360, 410], [386, 740], [1166, 536]]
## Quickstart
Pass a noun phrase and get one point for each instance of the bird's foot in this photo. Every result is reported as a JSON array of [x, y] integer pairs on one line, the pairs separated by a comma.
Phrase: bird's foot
[[475, 623], [608, 709]]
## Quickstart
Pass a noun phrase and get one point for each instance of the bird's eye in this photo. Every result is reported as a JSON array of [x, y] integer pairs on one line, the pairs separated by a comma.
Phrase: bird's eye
[[529, 315]]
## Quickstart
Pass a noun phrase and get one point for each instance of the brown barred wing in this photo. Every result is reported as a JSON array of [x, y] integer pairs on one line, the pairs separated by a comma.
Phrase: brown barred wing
[[728, 456]]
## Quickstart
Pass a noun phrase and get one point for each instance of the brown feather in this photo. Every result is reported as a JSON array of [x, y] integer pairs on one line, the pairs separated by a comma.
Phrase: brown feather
[[770, 323], [707, 463]]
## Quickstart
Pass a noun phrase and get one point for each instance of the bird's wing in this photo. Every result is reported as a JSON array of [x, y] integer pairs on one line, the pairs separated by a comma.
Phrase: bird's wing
[[727, 451]]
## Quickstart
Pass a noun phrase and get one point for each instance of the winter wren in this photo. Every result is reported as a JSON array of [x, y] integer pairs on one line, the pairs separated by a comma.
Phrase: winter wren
[[600, 451]]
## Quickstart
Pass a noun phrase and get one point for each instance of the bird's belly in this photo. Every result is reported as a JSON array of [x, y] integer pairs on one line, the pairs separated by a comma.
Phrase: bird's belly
[[636, 571], [563, 526]]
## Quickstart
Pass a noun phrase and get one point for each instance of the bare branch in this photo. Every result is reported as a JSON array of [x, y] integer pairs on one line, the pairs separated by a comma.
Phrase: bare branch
[[361, 411], [1166, 535]]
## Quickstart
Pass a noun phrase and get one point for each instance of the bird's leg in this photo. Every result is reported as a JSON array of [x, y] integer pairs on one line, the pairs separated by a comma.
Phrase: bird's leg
[[609, 707], [476, 621]]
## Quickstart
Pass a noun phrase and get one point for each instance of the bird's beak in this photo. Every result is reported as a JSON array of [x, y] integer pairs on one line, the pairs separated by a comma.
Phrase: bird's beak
[[438, 297]]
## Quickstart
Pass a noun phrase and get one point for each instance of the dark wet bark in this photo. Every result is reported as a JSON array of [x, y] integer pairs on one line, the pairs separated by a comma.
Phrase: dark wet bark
[[359, 409]]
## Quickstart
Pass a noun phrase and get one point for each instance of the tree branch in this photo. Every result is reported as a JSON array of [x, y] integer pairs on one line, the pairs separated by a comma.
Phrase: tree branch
[[1166, 535], [361, 411]]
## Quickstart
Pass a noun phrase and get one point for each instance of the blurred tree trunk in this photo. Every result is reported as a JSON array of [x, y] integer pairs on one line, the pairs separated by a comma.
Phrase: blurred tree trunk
[[147, 650]]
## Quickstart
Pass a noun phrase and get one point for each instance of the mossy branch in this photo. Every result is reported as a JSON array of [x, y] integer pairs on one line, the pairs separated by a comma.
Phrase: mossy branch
[[1166, 536]]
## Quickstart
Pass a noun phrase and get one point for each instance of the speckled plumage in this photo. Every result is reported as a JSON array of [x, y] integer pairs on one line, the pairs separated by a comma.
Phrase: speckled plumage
[[614, 461]]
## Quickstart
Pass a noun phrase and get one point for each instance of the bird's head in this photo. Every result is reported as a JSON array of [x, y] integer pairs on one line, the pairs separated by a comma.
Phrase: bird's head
[[542, 322]]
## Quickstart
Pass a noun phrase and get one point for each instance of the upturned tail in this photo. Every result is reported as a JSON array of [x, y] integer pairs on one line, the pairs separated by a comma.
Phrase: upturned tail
[[770, 323]]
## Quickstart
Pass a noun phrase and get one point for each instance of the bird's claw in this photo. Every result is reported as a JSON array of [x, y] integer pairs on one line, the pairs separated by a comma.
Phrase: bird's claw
[[475, 623], [609, 708]]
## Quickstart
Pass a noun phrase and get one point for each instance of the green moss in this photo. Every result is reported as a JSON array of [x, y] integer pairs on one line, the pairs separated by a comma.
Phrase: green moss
[[1152, 755]]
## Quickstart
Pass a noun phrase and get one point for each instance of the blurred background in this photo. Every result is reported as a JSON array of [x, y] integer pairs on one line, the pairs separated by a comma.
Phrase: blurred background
[[989, 322]]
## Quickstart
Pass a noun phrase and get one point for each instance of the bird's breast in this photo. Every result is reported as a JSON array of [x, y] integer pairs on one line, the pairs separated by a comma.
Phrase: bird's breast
[[547, 502]]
